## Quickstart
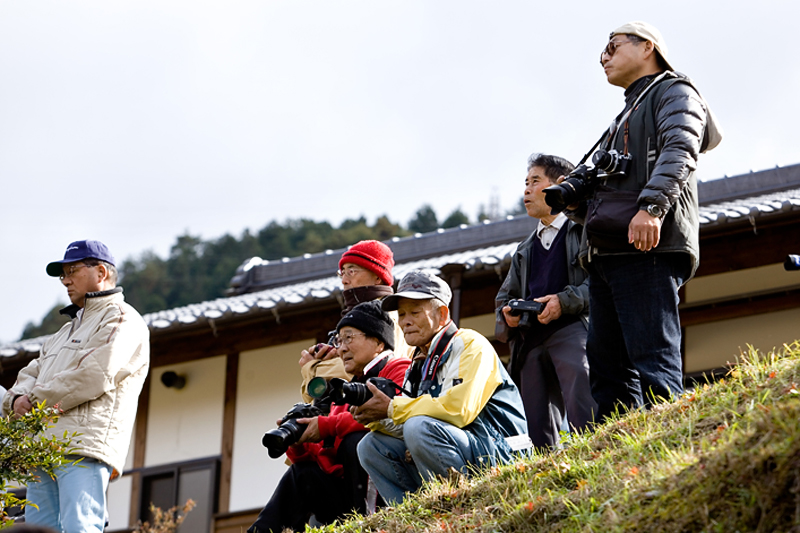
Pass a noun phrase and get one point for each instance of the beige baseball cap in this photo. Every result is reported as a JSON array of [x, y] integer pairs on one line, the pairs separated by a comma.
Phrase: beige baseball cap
[[645, 31]]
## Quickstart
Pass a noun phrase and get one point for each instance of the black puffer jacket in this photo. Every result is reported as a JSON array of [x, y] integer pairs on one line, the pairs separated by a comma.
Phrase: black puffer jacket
[[668, 128]]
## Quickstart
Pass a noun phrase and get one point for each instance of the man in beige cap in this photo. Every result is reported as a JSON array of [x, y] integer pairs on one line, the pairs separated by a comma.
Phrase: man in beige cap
[[640, 254]]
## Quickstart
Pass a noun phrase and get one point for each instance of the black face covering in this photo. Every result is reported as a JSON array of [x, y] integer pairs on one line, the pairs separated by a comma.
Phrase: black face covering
[[353, 297]]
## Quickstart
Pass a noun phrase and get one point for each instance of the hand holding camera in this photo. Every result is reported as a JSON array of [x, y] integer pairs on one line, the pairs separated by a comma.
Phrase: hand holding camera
[[319, 352], [526, 310], [278, 440], [374, 409]]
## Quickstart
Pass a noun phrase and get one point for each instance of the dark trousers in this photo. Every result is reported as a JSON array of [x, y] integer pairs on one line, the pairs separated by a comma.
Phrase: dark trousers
[[305, 490], [634, 341], [554, 381]]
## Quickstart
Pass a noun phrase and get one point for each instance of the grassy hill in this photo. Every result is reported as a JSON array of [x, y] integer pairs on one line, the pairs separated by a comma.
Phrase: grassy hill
[[722, 458]]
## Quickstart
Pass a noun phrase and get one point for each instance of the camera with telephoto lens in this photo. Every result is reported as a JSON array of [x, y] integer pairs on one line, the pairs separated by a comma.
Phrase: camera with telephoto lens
[[581, 182], [525, 309], [278, 440], [343, 392], [792, 262]]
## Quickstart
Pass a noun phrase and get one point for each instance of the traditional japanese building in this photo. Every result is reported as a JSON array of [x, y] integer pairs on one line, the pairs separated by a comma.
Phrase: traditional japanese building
[[223, 371]]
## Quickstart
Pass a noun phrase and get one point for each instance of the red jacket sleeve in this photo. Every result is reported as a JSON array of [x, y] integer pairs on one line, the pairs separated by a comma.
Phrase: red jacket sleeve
[[395, 369], [339, 423]]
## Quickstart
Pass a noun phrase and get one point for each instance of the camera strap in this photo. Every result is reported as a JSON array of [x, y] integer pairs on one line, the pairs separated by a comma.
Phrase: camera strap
[[623, 117], [437, 355]]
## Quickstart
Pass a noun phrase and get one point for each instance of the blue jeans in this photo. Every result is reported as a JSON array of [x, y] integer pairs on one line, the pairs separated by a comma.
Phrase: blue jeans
[[435, 446], [634, 340], [73, 502]]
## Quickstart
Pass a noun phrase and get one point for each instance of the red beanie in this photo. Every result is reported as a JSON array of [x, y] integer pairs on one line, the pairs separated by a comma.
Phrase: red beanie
[[372, 255]]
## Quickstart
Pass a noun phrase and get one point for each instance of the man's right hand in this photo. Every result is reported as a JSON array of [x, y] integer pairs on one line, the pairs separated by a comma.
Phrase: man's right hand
[[318, 352], [22, 405], [512, 321], [376, 408]]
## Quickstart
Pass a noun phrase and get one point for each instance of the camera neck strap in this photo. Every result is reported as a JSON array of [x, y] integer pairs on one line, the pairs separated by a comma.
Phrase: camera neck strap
[[421, 377], [626, 115]]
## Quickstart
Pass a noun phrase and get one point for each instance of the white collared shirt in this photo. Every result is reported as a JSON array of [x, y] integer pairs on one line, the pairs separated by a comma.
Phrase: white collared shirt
[[547, 234]]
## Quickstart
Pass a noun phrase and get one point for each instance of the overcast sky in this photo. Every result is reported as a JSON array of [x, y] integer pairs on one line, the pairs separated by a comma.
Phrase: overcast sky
[[133, 122]]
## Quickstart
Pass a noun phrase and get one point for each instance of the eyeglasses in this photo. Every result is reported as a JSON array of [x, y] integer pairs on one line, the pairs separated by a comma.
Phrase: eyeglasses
[[340, 341], [611, 48], [71, 270], [349, 271]]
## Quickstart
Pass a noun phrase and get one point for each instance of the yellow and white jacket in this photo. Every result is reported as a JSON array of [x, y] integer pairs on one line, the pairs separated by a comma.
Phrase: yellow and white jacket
[[471, 390]]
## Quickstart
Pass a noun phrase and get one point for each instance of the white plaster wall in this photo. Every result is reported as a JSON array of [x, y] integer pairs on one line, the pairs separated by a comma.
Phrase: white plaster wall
[[483, 324], [713, 345], [119, 503], [269, 384], [187, 423], [731, 284], [119, 494]]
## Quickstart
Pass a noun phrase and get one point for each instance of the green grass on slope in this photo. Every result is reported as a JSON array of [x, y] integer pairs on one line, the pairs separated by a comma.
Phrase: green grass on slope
[[721, 458]]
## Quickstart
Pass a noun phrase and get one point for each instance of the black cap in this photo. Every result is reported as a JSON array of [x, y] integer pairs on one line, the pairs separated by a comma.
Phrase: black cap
[[369, 318]]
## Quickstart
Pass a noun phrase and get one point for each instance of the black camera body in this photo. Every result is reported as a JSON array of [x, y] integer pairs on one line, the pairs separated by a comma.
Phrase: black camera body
[[792, 262], [525, 309], [612, 162], [343, 392], [581, 182], [278, 440]]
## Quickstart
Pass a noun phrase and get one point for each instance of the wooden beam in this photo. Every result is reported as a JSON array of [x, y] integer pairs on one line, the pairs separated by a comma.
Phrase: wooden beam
[[740, 307], [228, 427], [139, 448], [741, 247], [453, 274]]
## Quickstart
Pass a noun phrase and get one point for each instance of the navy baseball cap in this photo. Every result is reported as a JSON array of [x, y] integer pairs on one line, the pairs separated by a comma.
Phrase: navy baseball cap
[[418, 285], [78, 251]]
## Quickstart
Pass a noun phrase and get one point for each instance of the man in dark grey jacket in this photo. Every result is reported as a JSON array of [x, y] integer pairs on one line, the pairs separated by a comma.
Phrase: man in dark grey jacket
[[548, 351], [634, 341]]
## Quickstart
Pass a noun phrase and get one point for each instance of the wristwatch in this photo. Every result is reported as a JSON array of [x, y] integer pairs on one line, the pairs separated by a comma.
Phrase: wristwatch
[[655, 210]]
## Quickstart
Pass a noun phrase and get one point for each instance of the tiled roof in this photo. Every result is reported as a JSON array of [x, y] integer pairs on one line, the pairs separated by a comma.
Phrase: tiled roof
[[750, 208], [279, 298], [481, 256]]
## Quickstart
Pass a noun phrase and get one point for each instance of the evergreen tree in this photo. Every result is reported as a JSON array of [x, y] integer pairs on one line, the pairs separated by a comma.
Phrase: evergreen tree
[[518, 209], [51, 323], [424, 220], [455, 219], [197, 270]]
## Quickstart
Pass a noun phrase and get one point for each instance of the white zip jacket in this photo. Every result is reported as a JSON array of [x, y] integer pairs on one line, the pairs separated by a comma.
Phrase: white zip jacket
[[93, 369]]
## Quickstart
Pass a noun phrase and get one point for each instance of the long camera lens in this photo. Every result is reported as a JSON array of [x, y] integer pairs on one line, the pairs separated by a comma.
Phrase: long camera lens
[[570, 191], [344, 392], [278, 440]]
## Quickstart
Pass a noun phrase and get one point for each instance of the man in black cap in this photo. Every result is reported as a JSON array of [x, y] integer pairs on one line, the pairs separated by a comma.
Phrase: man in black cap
[[92, 370], [458, 408]]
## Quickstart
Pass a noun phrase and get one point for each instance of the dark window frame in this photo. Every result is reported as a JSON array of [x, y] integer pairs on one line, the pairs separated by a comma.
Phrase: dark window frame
[[212, 463]]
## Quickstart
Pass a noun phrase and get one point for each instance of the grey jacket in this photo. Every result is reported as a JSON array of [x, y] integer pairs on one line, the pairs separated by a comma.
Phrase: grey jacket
[[574, 298]]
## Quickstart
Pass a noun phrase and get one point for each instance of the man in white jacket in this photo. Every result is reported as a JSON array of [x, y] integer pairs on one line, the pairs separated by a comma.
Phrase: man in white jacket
[[92, 370]]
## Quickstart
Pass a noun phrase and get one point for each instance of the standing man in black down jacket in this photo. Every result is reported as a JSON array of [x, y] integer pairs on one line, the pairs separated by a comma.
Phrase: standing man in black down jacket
[[642, 251]]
